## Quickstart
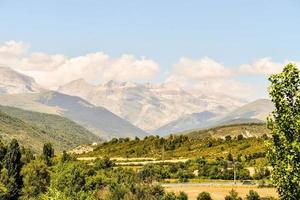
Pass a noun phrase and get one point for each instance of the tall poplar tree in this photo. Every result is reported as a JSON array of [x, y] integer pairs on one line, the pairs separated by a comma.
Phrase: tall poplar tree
[[284, 148]]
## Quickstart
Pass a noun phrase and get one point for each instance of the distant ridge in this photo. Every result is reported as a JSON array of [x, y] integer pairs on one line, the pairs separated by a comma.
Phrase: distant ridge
[[253, 112]]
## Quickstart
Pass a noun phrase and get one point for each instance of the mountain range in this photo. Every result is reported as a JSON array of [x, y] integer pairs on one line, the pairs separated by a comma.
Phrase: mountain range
[[127, 109], [150, 106], [96, 119], [254, 112]]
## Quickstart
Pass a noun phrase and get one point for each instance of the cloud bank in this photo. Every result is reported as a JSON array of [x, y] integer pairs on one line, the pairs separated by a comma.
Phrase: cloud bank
[[51, 71], [204, 74]]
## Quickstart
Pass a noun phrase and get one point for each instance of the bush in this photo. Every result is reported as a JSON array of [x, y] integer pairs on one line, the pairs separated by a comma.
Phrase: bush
[[204, 196], [233, 195], [252, 195], [182, 196]]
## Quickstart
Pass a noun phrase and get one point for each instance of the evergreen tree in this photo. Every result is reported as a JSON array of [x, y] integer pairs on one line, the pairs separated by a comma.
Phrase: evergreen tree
[[48, 153], [3, 150], [12, 168], [284, 148]]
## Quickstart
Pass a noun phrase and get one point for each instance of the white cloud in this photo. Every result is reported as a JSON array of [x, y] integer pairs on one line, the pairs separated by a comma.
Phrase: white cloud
[[42, 62], [97, 67], [11, 52], [208, 76], [205, 68], [264, 66], [51, 71]]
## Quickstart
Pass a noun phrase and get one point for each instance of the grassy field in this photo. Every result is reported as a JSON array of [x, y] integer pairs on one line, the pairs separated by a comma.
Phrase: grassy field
[[219, 192]]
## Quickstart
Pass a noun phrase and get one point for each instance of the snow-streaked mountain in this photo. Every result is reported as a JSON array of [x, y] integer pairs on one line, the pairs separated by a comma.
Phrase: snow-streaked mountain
[[149, 106], [12, 82], [254, 112]]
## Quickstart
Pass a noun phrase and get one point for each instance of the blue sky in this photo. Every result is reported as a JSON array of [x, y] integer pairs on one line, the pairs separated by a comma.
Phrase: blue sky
[[230, 32]]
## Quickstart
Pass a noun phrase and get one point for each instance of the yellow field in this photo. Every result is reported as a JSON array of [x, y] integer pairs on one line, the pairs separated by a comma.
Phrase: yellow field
[[219, 192]]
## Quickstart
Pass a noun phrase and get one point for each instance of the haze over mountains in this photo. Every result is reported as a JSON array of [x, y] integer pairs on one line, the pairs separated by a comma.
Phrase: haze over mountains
[[127, 109], [97, 119], [150, 106], [254, 112]]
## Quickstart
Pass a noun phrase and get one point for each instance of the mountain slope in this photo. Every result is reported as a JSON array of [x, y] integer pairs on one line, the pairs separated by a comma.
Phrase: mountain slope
[[96, 119], [12, 82], [258, 109], [187, 122], [149, 106], [35, 129], [254, 112]]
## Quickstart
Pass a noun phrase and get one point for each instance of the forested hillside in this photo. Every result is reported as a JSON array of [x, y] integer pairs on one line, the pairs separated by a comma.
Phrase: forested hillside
[[35, 129], [207, 143]]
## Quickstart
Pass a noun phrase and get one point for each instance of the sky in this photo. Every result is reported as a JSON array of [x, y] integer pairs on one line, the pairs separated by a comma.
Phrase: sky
[[216, 46]]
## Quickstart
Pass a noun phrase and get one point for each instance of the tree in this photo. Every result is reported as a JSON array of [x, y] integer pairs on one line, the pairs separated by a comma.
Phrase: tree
[[3, 150], [228, 138], [229, 157], [233, 195], [36, 178], [204, 196], [284, 147], [182, 196], [48, 153], [10, 175], [252, 195], [104, 163]]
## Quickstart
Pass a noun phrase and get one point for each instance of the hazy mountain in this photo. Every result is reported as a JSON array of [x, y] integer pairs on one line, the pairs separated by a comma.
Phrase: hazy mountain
[[254, 112], [98, 120], [258, 109], [12, 82], [187, 122], [149, 106], [33, 129]]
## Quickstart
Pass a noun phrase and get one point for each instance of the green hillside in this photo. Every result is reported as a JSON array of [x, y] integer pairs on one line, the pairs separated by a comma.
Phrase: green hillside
[[245, 129], [37, 128], [209, 143]]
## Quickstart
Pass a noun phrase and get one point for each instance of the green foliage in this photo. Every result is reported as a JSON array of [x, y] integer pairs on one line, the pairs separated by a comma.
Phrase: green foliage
[[188, 146], [233, 195], [284, 148], [103, 163], [204, 196], [182, 196], [39, 128], [48, 153], [36, 178], [10, 174], [253, 196]]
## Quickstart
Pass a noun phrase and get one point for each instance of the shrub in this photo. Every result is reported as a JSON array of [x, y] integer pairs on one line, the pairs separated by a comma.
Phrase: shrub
[[252, 195], [182, 196], [204, 196], [233, 195]]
